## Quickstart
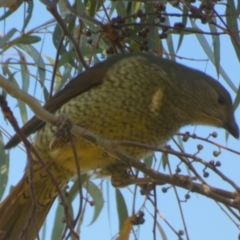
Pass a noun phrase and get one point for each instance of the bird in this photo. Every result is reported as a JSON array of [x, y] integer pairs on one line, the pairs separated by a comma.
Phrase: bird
[[135, 97]]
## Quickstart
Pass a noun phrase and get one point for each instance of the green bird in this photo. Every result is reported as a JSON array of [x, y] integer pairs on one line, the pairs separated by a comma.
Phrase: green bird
[[135, 97]]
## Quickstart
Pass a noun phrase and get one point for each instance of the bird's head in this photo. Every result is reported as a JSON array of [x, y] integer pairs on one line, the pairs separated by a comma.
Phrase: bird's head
[[208, 103]]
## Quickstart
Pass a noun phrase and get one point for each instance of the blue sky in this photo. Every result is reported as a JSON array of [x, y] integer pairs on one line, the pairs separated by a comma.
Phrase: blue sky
[[204, 218]]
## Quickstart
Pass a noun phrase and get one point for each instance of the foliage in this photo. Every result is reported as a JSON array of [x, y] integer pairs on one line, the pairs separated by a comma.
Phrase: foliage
[[41, 55]]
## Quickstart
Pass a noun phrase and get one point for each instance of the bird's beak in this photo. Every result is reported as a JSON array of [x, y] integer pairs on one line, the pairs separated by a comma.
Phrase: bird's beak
[[232, 127]]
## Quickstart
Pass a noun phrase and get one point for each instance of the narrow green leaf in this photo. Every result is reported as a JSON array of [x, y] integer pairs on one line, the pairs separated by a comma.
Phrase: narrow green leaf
[[80, 6], [25, 39], [97, 197], [189, 31], [93, 7], [149, 160], [58, 76], [6, 14], [121, 208], [7, 37], [129, 8], [210, 55], [180, 142], [94, 192], [56, 37], [164, 160], [120, 7], [134, 46], [58, 225], [184, 22], [64, 79], [28, 14], [170, 45], [216, 46], [75, 187], [21, 105], [24, 71], [62, 7], [4, 167], [232, 23], [154, 42], [136, 6], [37, 58], [112, 9], [67, 58], [23, 111]]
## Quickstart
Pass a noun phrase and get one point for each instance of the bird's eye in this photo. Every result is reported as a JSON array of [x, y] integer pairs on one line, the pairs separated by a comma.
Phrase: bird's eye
[[221, 100]]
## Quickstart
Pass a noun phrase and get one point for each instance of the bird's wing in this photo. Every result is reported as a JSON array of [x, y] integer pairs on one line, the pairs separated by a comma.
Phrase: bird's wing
[[81, 83]]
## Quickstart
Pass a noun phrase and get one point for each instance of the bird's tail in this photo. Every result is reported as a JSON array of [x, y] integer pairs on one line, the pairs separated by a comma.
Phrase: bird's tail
[[18, 219]]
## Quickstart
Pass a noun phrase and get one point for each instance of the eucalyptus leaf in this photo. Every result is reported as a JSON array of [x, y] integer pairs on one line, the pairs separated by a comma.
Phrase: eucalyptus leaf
[[121, 208], [170, 45], [184, 22], [216, 47], [58, 225], [4, 167], [97, 197], [233, 26], [28, 14], [24, 71], [7, 37], [210, 55], [25, 39]]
